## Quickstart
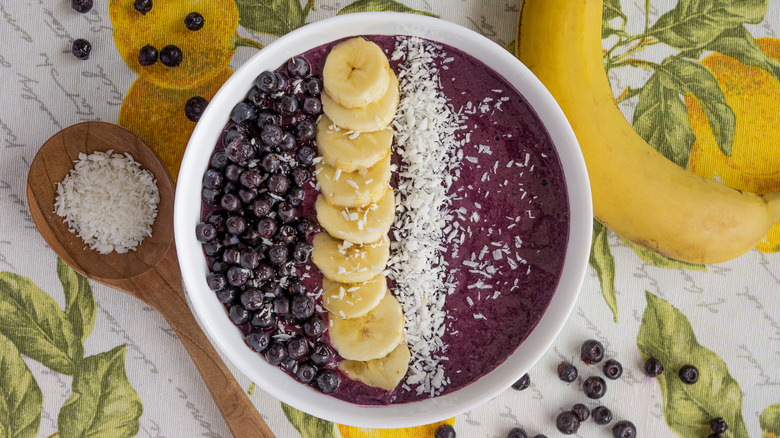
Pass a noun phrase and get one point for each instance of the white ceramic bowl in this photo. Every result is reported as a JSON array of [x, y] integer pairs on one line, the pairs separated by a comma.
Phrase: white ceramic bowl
[[211, 312]]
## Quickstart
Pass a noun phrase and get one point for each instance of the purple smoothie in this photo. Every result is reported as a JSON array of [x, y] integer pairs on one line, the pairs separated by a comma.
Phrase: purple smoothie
[[510, 199]]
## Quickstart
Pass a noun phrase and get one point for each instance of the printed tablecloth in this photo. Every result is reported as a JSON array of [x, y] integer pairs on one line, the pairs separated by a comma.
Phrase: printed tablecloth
[[633, 300]]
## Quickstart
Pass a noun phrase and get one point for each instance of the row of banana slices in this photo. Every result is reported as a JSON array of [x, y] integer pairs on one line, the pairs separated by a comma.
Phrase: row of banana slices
[[356, 208]]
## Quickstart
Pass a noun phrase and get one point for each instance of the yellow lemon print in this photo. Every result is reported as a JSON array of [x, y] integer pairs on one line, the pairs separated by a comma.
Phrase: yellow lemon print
[[754, 164], [426, 431], [156, 114], [205, 52]]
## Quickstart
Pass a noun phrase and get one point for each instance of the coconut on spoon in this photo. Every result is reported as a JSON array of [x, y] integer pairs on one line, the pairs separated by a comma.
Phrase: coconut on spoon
[[148, 271]]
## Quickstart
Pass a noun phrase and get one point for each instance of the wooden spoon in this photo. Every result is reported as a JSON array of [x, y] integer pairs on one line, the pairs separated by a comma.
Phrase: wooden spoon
[[151, 272]]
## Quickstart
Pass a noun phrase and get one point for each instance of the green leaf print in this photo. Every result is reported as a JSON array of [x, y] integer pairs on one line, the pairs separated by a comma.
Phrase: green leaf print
[[79, 301], [309, 426], [661, 119], [102, 402], [612, 10], [740, 45], [692, 24], [271, 17], [661, 261], [604, 263], [666, 334], [770, 421], [21, 400], [380, 5], [34, 322]]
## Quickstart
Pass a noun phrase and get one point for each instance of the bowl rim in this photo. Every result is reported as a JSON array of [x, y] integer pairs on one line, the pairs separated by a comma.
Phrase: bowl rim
[[210, 312]]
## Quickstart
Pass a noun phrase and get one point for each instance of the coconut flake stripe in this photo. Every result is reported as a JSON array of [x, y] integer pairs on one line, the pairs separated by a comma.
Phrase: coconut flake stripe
[[109, 201], [425, 139]]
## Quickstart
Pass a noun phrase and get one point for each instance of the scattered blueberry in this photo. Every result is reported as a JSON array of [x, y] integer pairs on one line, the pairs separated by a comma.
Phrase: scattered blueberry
[[171, 55], [523, 383], [445, 431], [287, 142], [252, 299], [516, 432], [305, 372], [581, 411], [205, 232], [567, 423], [81, 48], [306, 155], [298, 67], [592, 351], [624, 429], [305, 130], [313, 327], [595, 387], [297, 347], [601, 415], [264, 318], [653, 367], [216, 281], [276, 353], [327, 381], [193, 21], [239, 315], [320, 354], [143, 6], [567, 372], [311, 106], [271, 135], [302, 307], [296, 196], [243, 113], [147, 55], [267, 82], [258, 340], [613, 369], [81, 6], [689, 374], [313, 86], [718, 425], [194, 107], [278, 184], [301, 253], [281, 81]]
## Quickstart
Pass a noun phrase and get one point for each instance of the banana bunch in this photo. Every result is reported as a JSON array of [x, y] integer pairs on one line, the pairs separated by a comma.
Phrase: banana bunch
[[356, 208], [637, 192]]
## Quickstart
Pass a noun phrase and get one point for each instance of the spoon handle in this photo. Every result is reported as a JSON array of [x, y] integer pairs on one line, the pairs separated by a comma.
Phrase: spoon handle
[[240, 414]]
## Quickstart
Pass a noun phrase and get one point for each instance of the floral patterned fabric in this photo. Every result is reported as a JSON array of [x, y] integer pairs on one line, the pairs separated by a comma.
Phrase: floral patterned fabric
[[699, 80]]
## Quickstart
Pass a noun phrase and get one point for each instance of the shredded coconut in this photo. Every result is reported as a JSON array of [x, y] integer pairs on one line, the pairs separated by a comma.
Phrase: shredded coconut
[[109, 201]]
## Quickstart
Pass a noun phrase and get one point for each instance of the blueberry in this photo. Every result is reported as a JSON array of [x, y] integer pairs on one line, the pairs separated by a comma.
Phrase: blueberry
[[595, 387], [296, 196], [278, 184], [567, 372], [517, 432], [653, 367], [242, 113], [219, 266], [718, 425], [258, 340], [231, 256], [212, 179], [567, 423], [313, 86], [312, 106], [228, 294], [247, 195], [444, 431], [194, 107], [281, 306], [297, 347], [302, 308], [271, 135], [613, 369], [81, 48], [601, 415], [298, 67], [217, 218], [81, 6], [216, 281], [276, 353], [273, 289], [592, 351], [252, 299], [239, 315], [205, 232], [239, 152], [523, 383], [281, 81], [300, 176], [264, 318], [305, 130], [305, 372], [250, 179], [213, 249], [286, 270], [286, 234], [171, 55], [194, 21], [306, 226], [301, 253], [306, 155], [320, 354], [235, 225], [277, 254], [271, 162], [237, 276], [539, 435], [287, 213], [624, 429], [210, 196], [267, 82], [233, 133], [232, 171], [287, 142], [581, 411], [147, 55], [327, 381], [266, 227], [143, 6], [689, 374], [267, 117]]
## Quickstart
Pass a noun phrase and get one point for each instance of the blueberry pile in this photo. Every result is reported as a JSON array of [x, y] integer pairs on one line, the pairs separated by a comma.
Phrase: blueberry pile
[[253, 235]]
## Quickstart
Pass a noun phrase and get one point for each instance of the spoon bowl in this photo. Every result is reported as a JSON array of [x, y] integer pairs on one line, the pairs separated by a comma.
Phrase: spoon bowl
[[150, 273]]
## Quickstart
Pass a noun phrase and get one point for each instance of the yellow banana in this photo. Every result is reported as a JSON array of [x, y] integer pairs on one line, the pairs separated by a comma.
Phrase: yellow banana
[[637, 192]]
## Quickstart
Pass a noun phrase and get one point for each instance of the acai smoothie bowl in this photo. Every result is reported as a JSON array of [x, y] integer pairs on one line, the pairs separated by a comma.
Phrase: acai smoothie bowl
[[383, 219]]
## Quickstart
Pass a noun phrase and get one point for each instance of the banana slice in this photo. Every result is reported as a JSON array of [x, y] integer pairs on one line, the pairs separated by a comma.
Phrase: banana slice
[[351, 151], [357, 225], [344, 262], [371, 336], [375, 116], [355, 73], [353, 300], [385, 373], [354, 189]]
